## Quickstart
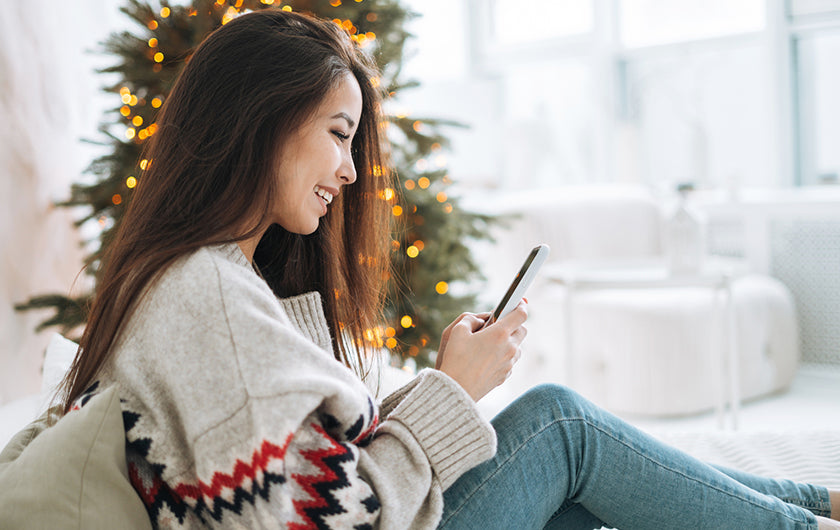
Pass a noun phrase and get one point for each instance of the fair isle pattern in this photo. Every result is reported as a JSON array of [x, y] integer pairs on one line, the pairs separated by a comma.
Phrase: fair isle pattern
[[326, 474]]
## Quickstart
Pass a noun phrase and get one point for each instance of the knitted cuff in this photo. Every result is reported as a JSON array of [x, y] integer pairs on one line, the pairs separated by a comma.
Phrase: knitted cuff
[[444, 420], [307, 314]]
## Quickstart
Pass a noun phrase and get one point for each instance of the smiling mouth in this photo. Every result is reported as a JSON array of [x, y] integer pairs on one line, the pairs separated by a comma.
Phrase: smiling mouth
[[324, 194]]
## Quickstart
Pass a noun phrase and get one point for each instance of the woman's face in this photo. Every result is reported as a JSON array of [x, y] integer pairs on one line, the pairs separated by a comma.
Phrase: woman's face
[[316, 161]]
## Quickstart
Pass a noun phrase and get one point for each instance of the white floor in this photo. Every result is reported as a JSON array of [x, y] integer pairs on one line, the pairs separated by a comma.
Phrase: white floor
[[812, 403]]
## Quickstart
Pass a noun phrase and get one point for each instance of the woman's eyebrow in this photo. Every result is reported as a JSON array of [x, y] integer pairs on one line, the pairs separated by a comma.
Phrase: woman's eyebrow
[[346, 116]]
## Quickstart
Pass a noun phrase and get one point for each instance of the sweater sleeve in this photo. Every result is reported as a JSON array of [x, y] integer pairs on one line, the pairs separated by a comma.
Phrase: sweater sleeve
[[248, 420]]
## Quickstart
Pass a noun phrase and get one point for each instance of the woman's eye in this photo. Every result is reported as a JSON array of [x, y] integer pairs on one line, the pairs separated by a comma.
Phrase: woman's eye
[[341, 136]]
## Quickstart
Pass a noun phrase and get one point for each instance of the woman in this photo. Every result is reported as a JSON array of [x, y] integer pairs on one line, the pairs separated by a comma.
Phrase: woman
[[251, 260]]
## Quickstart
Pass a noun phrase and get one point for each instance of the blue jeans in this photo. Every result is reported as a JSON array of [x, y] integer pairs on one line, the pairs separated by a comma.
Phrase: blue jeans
[[562, 462]]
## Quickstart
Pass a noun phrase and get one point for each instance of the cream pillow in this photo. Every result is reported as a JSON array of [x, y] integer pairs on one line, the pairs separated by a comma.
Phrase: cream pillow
[[71, 475]]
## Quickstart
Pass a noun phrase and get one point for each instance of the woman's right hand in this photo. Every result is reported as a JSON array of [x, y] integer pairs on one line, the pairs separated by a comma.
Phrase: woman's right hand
[[482, 359]]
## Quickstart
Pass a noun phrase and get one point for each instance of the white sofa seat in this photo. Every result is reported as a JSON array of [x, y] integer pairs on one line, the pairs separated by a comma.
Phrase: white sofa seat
[[649, 351]]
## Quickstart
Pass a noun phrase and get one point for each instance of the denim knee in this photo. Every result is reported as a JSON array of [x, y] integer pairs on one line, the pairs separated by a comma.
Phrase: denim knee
[[565, 402]]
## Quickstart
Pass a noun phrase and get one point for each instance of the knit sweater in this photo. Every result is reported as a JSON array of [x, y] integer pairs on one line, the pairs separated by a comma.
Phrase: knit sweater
[[237, 414]]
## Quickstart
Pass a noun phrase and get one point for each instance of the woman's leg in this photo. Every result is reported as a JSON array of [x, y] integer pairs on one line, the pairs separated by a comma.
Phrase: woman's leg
[[564, 462]]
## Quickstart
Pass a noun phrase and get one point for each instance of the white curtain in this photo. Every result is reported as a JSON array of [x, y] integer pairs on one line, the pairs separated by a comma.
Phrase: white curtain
[[49, 100]]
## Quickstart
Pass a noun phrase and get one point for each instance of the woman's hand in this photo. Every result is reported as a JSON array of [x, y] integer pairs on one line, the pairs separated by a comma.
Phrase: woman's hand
[[482, 359]]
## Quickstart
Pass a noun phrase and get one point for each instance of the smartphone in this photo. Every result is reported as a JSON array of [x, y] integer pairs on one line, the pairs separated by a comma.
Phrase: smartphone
[[520, 283]]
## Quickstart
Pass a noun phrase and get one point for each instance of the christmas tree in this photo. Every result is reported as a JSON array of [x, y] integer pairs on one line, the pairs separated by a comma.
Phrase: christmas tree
[[429, 251]]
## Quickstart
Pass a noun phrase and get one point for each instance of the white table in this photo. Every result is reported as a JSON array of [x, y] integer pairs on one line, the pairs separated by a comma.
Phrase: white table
[[716, 274]]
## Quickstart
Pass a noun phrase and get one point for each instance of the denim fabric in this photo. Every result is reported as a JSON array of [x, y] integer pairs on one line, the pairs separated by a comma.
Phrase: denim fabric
[[564, 463]]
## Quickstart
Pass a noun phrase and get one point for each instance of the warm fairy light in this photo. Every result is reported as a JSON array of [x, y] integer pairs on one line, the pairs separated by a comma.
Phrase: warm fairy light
[[193, 12], [125, 111], [447, 208], [406, 321], [422, 164], [153, 25], [287, 8], [424, 182], [157, 67], [370, 35], [153, 42], [391, 343], [126, 98], [335, 3], [374, 82], [124, 90], [397, 210], [412, 251], [158, 57], [116, 199], [238, 4], [358, 1], [390, 332], [137, 121], [142, 134], [157, 102], [143, 164], [420, 245], [130, 132], [164, 12], [395, 244], [441, 197], [436, 146], [267, 2], [377, 171], [417, 125], [409, 184], [371, 17], [152, 129], [132, 100], [441, 287], [413, 351], [229, 15], [130, 182], [387, 194]]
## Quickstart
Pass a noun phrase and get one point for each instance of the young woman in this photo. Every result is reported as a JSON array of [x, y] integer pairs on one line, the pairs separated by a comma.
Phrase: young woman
[[248, 264]]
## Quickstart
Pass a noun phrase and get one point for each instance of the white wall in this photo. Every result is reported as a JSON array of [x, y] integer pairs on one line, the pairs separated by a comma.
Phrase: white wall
[[49, 100]]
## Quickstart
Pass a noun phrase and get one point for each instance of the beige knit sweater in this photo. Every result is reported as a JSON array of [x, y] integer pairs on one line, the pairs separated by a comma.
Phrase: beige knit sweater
[[237, 414]]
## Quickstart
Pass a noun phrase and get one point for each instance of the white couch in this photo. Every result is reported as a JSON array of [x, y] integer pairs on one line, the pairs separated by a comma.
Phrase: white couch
[[639, 351]]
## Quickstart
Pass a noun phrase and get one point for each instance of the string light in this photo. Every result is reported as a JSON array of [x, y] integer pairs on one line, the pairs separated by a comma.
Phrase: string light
[[132, 100], [152, 25], [137, 121], [116, 199], [447, 208], [390, 332], [441, 287], [287, 8], [441, 197], [420, 245], [417, 125], [229, 15], [422, 164], [406, 321], [391, 343], [157, 102], [412, 251], [144, 164], [371, 17], [409, 184], [424, 182], [125, 111], [158, 57], [153, 42], [397, 210], [164, 12], [130, 132], [130, 182]]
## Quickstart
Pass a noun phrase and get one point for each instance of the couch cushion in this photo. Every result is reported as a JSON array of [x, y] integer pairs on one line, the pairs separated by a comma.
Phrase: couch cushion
[[71, 475]]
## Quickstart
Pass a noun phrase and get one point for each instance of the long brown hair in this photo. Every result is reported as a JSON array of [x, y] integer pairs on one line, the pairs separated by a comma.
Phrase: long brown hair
[[249, 86]]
